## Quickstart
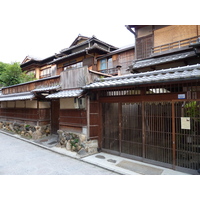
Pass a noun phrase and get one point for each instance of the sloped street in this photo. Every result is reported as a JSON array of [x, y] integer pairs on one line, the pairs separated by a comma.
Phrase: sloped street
[[18, 157]]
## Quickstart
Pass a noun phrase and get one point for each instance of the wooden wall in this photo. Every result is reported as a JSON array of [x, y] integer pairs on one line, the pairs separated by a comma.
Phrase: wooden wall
[[28, 112], [94, 118], [26, 87], [72, 120], [152, 36], [74, 78], [175, 33], [26, 115]]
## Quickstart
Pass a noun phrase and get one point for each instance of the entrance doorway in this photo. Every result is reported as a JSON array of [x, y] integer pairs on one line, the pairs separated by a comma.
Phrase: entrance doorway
[[55, 108], [154, 132]]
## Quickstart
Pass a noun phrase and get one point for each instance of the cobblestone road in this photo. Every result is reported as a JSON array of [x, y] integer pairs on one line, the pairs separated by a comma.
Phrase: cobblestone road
[[18, 157]]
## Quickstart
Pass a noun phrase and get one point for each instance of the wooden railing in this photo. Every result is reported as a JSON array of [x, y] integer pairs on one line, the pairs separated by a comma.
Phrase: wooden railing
[[29, 86], [111, 71], [175, 45]]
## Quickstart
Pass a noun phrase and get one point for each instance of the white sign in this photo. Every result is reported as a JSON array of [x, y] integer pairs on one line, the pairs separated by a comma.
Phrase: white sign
[[185, 123], [181, 96]]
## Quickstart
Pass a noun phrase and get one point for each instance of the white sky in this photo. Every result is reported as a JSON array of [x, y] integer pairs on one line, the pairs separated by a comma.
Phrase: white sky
[[40, 28]]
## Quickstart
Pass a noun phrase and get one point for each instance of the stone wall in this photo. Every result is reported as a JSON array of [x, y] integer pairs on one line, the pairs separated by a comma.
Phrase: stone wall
[[26, 130], [76, 142], [71, 141]]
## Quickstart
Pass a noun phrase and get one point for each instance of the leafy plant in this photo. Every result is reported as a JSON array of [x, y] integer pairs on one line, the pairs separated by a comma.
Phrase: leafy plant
[[192, 109], [11, 74], [74, 141]]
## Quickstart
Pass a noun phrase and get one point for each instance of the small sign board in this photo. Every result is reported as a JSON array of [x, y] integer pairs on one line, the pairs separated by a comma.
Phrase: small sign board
[[181, 96], [185, 123]]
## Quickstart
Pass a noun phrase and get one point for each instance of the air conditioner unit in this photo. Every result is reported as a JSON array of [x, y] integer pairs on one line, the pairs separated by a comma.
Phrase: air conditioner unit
[[81, 103]]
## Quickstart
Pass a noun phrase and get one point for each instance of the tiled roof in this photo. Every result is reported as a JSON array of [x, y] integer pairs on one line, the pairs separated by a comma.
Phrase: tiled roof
[[95, 46], [164, 75], [86, 42], [65, 93], [41, 89], [120, 50], [17, 96], [163, 59]]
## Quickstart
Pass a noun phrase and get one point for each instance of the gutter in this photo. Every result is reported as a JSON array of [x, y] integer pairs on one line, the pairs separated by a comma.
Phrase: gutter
[[128, 27]]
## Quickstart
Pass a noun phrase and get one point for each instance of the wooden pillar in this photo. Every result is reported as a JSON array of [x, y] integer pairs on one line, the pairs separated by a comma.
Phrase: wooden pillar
[[143, 129], [120, 126], [173, 136], [38, 113], [88, 115]]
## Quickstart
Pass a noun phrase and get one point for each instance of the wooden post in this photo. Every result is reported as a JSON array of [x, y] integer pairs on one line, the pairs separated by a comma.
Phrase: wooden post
[[120, 126], [143, 129], [88, 115], [173, 136]]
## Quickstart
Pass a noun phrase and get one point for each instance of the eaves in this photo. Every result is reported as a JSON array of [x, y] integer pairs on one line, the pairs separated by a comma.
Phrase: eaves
[[78, 53]]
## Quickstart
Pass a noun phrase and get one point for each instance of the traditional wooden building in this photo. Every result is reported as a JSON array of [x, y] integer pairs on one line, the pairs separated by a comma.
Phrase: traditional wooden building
[[153, 114], [26, 104], [39, 103], [39, 67], [77, 68], [117, 62]]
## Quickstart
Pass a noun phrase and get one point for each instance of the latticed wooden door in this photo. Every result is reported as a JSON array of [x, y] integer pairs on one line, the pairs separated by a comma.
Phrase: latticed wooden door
[[110, 125], [187, 132], [158, 132]]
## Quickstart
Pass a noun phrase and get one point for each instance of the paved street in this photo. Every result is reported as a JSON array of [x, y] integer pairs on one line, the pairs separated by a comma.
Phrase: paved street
[[18, 157]]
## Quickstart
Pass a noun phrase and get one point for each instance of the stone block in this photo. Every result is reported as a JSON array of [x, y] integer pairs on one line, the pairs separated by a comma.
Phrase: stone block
[[82, 152], [92, 144], [1, 124], [91, 150], [82, 138], [68, 146]]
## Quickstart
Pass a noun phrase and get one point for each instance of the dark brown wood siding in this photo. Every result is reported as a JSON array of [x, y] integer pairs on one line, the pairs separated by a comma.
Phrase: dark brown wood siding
[[55, 106], [94, 119], [73, 119], [26, 115], [30, 86]]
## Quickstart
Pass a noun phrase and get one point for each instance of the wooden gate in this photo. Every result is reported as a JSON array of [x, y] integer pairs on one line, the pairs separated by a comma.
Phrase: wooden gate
[[166, 133]]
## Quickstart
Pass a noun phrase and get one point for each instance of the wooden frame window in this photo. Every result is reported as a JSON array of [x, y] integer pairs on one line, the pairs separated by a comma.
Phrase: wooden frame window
[[75, 65], [45, 72], [31, 72]]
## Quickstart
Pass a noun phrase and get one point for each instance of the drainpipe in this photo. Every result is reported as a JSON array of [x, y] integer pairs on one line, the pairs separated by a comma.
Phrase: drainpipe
[[134, 33], [94, 57]]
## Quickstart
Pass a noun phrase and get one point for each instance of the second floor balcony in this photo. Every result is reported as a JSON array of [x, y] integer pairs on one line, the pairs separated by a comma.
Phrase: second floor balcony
[[36, 85], [111, 71], [174, 46]]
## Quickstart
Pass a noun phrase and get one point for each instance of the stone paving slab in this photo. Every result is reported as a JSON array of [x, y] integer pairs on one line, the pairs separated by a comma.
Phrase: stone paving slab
[[103, 160]]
